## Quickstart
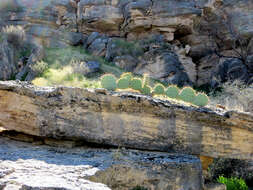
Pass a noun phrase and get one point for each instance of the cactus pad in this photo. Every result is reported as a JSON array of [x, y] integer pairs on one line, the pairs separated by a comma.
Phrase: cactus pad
[[136, 84], [128, 75], [158, 89], [123, 83], [172, 91], [201, 100], [108, 81], [187, 94]]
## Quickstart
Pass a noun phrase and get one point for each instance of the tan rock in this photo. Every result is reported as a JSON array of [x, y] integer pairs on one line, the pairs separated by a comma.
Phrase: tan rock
[[123, 119]]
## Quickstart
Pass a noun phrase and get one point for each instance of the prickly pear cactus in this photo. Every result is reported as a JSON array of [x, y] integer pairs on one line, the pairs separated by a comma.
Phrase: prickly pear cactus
[[158, 89], [136, 84], [128, 76], [145, 80], [108, 81], [172, 91], [187, 94], [123, 83], [201, 100], [146, 90]]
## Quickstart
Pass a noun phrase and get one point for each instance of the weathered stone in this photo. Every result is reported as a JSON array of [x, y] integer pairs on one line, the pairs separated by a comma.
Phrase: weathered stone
[[215, 186], [25, 166], [7, 61], [163, 65], [230, 70], [249, 62], [98, 47], [99, 16], [187, 63], [124, 119], [126, 62], [86, 68]]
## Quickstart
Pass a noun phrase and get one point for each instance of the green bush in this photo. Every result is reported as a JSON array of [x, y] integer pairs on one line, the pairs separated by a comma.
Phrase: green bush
[[123, 83], [187, 94], [233, 183], [136, 84], [201, 100], [146, 90], [108, 81], [158, 89], [172, 91]]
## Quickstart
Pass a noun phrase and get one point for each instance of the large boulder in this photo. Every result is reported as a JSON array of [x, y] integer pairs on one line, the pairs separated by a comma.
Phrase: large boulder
[[163, 65], [124, 119]]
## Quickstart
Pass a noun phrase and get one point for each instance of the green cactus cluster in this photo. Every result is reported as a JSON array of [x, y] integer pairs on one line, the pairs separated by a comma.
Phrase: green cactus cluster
[[201, 100], [109, 82], [136, 84], [127, 81], [172, 91], [187, 94], [123, 83], [158, 89]]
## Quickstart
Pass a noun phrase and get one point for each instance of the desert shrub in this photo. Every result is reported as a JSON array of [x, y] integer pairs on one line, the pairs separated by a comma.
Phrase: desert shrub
[[231, 168], [172, 91], [39, 67], [187, 94], [123, 83], [108, 81], [233, 183], [201, 100], [158, 89], [15, 35], [64, 76], [136, 84], [234, 96]]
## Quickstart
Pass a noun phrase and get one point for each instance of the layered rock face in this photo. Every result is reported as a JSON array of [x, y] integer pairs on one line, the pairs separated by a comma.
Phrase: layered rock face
[[25, 166], [68, 22], [123, 119]]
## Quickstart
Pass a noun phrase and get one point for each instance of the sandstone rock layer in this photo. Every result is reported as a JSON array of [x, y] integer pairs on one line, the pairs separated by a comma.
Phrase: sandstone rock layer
[[124, 119], [25, 166]]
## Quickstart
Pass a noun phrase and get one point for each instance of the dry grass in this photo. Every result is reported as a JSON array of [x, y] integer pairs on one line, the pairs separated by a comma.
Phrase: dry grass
[[65, 76], [15, 35], [234, 96]]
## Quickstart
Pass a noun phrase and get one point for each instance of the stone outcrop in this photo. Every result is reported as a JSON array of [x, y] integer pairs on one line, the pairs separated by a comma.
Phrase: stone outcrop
[[124, 119], [27, 166], [60, 23]]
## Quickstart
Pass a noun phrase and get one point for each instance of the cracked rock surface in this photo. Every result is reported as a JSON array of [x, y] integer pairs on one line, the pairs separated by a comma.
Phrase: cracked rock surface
[[124, 119], [27, 166]]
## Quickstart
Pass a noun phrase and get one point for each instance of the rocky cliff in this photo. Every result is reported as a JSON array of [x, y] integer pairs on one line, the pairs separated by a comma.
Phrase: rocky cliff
[[123, 119], [178, 46]]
